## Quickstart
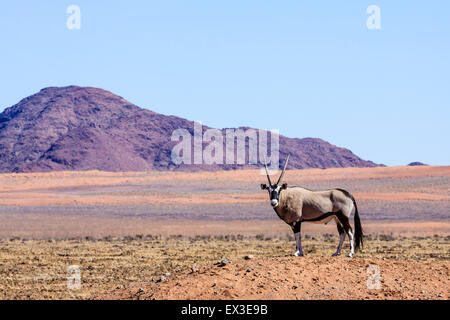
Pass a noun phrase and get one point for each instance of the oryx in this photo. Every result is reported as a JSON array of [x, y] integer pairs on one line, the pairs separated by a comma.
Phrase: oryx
[[295, 205]]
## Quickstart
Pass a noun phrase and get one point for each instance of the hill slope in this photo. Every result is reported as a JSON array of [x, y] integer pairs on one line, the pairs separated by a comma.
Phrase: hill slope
[[80, 128], [303, 278]]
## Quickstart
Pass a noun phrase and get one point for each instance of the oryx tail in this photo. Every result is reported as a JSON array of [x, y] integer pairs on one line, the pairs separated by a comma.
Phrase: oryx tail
[[358, 228]]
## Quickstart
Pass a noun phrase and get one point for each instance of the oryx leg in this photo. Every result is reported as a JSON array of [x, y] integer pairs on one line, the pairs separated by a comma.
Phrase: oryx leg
[[298, 241], [343, 219], [341, 238]]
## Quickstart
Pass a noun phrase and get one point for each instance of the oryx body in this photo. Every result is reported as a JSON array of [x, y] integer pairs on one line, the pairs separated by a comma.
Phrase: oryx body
[[295, 205]]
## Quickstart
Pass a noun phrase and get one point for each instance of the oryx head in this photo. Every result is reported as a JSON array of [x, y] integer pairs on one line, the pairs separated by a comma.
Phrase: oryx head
[[274, 189]]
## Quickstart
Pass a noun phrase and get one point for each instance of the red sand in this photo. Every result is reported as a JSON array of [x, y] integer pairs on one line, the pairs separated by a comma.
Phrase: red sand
[[300, 278]]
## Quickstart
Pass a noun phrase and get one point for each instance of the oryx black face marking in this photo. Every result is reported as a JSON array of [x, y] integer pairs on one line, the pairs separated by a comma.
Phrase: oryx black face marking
[[274, 192], [296, 205]]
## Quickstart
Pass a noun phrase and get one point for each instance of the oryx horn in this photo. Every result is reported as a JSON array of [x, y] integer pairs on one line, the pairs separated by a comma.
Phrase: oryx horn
[[267, 172], [284, 169]]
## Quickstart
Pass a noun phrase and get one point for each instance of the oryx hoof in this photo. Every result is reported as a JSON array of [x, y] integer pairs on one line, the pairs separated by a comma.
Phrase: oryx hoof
[[336, 254], [350, 255], [298, 254]]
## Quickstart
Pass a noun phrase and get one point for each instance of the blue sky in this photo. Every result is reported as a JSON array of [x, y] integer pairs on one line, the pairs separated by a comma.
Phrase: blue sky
[[307, 68]]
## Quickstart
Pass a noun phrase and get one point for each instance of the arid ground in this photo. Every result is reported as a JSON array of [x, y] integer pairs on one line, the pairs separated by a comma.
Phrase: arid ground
[[125, 229]]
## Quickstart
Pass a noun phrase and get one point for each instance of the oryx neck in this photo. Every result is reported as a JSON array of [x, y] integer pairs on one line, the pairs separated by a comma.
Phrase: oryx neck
[[276, 211]]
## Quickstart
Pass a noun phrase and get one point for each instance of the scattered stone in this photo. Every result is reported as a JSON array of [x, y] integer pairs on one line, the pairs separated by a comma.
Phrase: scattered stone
[[161, 279], [222, 263], [140, 291], [249, 257], [194, 269], [227, 293]]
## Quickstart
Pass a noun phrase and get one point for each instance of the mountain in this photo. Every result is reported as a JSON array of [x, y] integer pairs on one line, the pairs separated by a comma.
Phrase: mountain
[[82, 128], [416, 163]]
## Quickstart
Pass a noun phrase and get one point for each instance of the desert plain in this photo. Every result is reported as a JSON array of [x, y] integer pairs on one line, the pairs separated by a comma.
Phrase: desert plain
[[159, 235]]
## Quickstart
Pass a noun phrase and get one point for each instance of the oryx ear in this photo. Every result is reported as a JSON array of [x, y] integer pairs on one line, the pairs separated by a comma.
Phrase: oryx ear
[[284, 186], [263, 186]]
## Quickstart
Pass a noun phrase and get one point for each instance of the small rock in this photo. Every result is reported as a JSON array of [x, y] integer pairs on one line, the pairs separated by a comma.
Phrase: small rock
[[227, 293], [140, 291], [249, 270], [168, 274], [194, 269], [249, 257], [222, 263], [161, 279]]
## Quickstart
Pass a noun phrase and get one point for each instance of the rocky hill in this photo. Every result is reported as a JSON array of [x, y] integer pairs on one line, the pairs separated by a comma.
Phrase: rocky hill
[[81, 128]]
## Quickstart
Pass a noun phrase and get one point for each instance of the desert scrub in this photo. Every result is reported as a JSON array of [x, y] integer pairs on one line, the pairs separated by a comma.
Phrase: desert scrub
[[36, 269]]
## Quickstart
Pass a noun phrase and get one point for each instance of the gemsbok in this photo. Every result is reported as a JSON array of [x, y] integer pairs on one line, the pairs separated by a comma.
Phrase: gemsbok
[[295, 205]]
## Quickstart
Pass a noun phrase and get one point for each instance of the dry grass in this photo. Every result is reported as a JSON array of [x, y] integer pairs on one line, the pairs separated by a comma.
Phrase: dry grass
[[36, 269]]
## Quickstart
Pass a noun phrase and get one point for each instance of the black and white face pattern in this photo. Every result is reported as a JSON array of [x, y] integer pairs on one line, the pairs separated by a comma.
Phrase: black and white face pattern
[[274, 193]]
